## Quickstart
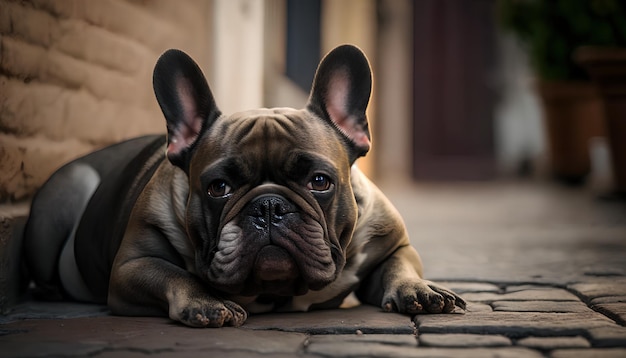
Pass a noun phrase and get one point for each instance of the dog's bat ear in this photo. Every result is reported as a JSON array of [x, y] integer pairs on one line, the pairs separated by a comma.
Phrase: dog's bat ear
[[186, 101], [340, 94]]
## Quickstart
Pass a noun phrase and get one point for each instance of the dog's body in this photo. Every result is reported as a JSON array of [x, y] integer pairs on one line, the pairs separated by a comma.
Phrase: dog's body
[[256, 211]]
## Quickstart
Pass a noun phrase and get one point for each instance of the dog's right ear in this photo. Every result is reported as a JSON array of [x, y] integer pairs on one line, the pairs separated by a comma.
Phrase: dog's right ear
[[340, 94], [186, 101]]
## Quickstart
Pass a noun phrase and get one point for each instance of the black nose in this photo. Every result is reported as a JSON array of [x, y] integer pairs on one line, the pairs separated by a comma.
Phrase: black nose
[[269, 209]]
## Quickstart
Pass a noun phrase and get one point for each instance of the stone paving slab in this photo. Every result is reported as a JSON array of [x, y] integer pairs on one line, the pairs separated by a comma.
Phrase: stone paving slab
[[548, 343], [366, 319], [358, 345], [477, 307], [465, 287], [592, 290], [524, 287], [607, 336], [607, 296], [408, 340], [513, 324], [452, 340], [590, 353], [608, 299], [541, 306], [366, 350], [534, 294], [616, 311]]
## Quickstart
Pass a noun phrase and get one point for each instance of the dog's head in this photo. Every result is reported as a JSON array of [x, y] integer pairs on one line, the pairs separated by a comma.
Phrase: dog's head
[[270, 207]]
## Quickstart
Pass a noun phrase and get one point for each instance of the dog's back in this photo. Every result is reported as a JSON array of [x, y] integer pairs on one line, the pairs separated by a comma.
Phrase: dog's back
[[77, 210]]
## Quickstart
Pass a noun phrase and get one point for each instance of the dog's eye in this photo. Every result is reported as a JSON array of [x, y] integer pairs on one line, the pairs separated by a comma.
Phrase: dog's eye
[[319, 182], [218, 189]]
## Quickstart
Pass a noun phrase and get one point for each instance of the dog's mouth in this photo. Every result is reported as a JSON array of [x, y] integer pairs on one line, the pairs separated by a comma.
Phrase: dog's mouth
[[275, 272], [274, 264]]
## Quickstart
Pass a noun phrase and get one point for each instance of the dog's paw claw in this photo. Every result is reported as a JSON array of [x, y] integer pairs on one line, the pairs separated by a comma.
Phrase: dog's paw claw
[[388, 307], [414, 297], [211, 313], [238, 314], [414, 307], [203, 320], [451, 299]]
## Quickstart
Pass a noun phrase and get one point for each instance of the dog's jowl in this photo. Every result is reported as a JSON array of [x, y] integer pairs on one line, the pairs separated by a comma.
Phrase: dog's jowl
[[230, 214]]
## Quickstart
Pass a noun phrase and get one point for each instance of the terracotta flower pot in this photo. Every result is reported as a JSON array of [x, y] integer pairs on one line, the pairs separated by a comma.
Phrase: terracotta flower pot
[[607, 68], [572, 115]]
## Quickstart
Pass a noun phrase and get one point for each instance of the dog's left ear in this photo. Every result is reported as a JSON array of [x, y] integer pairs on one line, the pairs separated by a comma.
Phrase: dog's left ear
[[186, 101], [340, 94]]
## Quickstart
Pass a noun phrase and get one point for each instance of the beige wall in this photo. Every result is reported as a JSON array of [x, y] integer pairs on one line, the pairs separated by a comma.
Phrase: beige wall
[[77, 75], [236, 77], [394, 88]]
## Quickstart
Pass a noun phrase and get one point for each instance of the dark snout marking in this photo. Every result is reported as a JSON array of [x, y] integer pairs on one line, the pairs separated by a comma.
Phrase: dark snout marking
[[273, 263], [269, 209]]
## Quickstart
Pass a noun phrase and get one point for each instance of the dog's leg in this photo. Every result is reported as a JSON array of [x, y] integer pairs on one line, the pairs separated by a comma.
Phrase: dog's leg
[[55, 213], [152, 285], [403, 289]]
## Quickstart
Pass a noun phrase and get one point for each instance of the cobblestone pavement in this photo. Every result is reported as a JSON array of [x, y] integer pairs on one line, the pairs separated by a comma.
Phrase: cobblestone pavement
[[542, 267]]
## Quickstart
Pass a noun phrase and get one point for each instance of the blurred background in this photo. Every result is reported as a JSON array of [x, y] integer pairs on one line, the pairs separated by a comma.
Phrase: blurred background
[[474, 90]]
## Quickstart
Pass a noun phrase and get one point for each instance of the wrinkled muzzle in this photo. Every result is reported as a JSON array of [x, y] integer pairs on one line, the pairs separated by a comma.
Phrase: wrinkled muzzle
[[273, 246]]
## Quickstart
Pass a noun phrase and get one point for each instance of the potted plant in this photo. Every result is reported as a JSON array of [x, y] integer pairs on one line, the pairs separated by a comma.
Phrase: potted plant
[[607, 67], [550, 31]]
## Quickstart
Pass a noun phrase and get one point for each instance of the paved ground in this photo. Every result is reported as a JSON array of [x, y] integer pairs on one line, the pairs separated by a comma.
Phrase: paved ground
[[543, 267]]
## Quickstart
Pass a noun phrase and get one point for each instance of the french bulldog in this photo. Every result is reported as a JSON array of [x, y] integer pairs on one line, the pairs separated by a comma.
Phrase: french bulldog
[[262, 210]]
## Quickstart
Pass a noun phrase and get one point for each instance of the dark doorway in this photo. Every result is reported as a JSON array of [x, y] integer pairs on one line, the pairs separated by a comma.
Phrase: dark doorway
[[303, 41], [453, 103]]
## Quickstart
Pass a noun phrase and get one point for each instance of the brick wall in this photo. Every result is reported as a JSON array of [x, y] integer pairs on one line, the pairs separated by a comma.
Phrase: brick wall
[[76, 75]]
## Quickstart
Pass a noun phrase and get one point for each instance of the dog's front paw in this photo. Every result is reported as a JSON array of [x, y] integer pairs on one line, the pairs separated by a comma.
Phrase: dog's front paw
[[420, 296], [209, 312]]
